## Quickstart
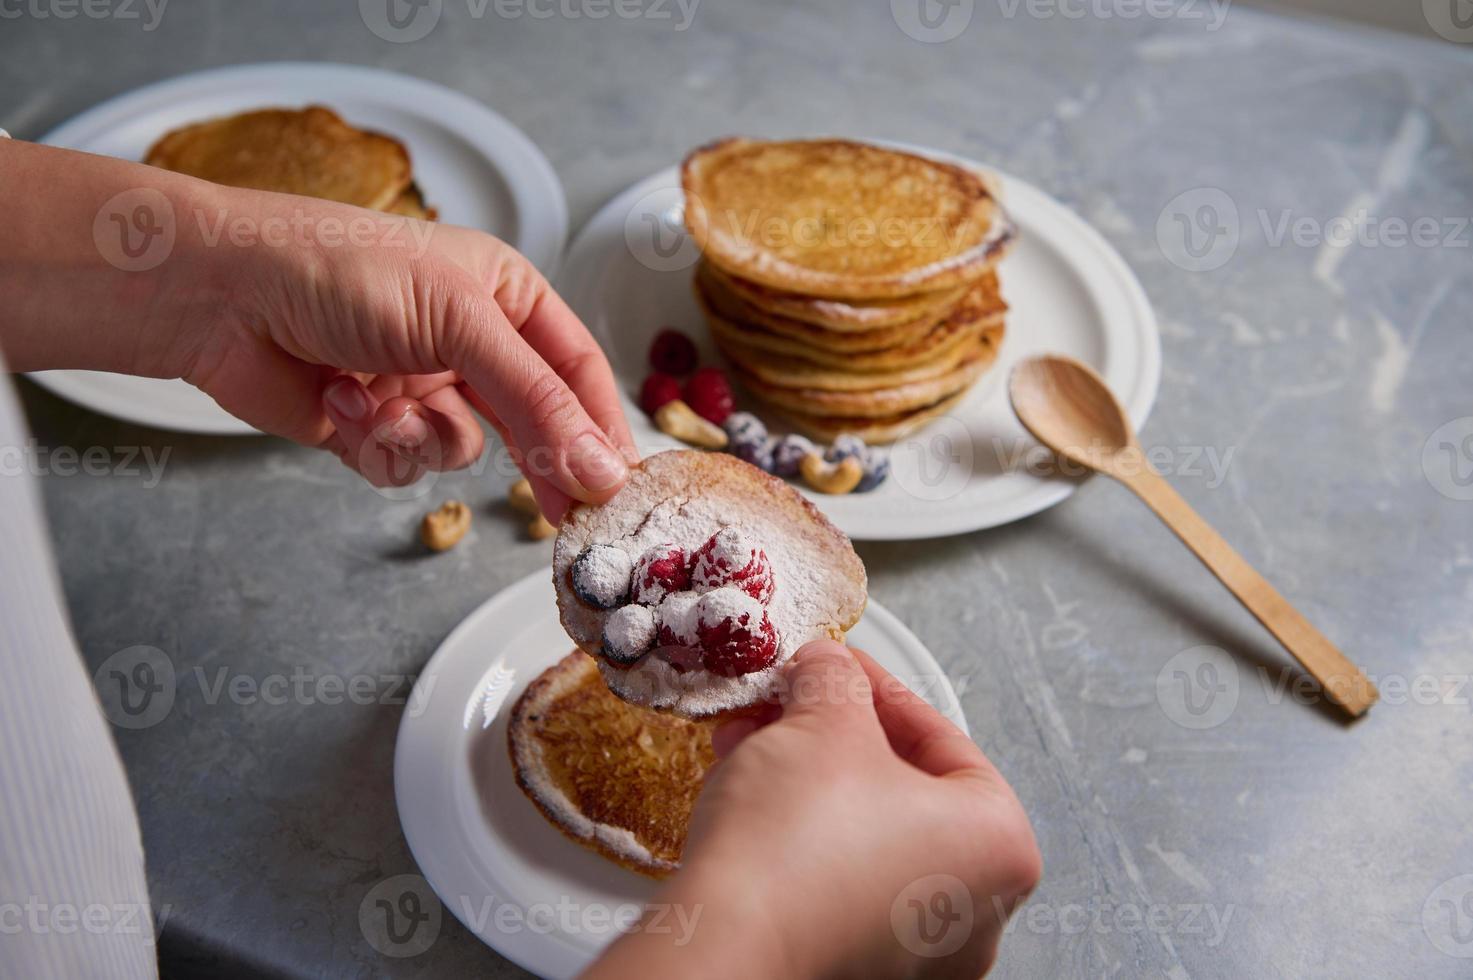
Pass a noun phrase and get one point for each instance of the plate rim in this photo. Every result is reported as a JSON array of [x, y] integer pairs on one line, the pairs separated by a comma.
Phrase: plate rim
[[1146, 332], [535, 181], [411, 783]]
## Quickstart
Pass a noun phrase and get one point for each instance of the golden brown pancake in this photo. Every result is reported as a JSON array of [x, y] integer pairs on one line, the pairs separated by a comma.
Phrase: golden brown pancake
[[307, 151], [732, 307], [874, 431], [783, 360], [836, 315], [884, 402], [795, 372], [616, 778], [411, 204], [839, 219]]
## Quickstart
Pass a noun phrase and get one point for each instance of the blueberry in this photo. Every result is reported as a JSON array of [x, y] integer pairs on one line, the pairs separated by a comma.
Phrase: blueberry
[[876, 470], [601, 574], [744, 427], [788, 455], [759, 453], [845, 447]]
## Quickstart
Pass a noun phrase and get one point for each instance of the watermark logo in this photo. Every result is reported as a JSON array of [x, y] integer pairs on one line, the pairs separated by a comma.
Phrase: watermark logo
[[1198, 688], [934, 462], [654, 232], [135, 230], [400, 21], [1451, 19], [400, 916], [1198, 230], [1447, 459], [933, 916], [932, 21], [1447, 917], [136, 687]]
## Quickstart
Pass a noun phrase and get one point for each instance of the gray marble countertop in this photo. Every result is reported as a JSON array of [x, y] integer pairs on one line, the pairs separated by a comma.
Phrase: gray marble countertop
[[1237, 831]]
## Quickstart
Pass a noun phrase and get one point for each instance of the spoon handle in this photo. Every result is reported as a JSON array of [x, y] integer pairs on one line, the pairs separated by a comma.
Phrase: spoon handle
[[1342, 681]]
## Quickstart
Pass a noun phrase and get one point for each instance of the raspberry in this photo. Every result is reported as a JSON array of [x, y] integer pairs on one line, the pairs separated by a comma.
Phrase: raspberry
[[729, 558], [628, 633], [681, 658], [600, 576], [676, 620], [658, 389], [788, 454], [709, 393], [673, 353], [731, 648], [727, 604], [660, 571]]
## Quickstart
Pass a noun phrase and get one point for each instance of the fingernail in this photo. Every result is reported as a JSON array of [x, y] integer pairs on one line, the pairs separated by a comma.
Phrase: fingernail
[[348, 399], [409, 431], [595, 464]]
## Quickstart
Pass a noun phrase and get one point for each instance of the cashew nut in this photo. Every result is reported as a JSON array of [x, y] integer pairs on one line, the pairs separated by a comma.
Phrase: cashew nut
[[442, 528], [540, 529], [521, 499], [840, 477], [676, 418]]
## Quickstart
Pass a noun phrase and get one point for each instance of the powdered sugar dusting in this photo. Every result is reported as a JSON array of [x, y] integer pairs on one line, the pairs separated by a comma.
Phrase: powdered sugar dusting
[[727, 603], [629, 631], [802, 606], [601, 575], [677, 617]]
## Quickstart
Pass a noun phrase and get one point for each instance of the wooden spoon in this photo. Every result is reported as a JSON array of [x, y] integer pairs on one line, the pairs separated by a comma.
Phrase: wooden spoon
[[1067, 406]]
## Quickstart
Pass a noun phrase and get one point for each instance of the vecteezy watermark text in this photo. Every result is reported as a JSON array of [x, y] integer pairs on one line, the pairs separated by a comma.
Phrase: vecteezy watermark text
[[116, 461], [938, 21], [1103, 916], [1200, 230], [37, 916], [139, 685], [136, 230], [149, 12], [406, 21], [400, 917]]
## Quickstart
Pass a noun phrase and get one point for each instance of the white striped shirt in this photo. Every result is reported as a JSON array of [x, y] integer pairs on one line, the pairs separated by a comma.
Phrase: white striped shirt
[[73, 898]]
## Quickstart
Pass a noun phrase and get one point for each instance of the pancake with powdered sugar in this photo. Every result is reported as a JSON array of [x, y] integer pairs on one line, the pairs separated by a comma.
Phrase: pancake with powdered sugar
[[699, 580]]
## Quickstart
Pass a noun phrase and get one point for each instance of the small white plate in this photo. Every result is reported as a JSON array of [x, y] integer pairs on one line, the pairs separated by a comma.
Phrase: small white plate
[[480, 843], [628, 274], [479, 170]]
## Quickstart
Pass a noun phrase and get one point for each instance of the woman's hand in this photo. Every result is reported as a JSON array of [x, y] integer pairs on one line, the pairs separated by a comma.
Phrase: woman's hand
[[861, 834], [373, 336]]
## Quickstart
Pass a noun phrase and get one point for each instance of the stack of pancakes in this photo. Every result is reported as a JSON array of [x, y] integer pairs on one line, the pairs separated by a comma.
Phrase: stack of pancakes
[[309, 151], [852, 287]]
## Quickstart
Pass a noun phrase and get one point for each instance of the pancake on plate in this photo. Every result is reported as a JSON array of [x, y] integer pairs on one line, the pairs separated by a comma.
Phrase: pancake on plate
[[852, 287], [616, 778], [310, 151], [838, 315], [840, 219]]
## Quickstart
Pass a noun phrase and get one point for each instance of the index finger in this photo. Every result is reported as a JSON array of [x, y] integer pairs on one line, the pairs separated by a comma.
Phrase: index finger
[[917, 732], [554, 331]]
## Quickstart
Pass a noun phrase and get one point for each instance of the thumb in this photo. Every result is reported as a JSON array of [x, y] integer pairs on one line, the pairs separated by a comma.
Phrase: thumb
[[825, 686]]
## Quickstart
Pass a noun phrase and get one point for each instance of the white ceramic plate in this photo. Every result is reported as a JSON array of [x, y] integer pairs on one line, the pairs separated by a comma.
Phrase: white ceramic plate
[[479, 170], [480, 843], [628, 274]]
